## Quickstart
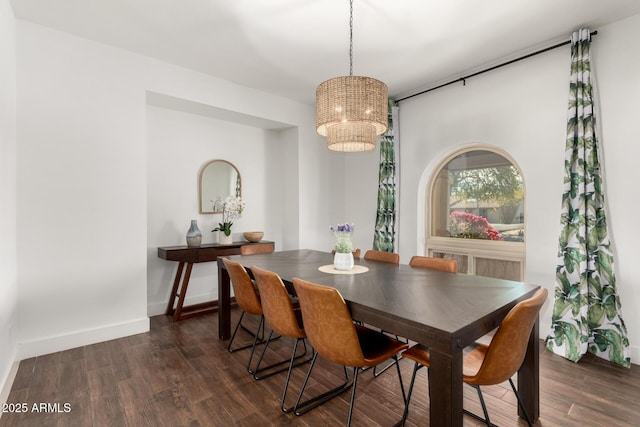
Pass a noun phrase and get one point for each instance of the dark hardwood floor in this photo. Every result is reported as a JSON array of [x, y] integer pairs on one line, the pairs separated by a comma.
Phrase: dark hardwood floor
[[180, 374]]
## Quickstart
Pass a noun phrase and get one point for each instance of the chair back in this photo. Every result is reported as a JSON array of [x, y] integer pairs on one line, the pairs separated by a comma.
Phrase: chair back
[[276, 304], [328, 323], [431, 263], [390, 257], [245, 293], [261, 248], [507, 349]]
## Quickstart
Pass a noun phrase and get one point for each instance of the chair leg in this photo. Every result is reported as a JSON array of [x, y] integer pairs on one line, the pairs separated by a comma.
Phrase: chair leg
[[486, 419], [376, 373], [260, 331], [233, 336], [486, 413], [353, 395], [520, 404], [355, 383], [484, 407], [397, 362], [291, 366], [301, 408], [253, 347], [269, 368], [416, 367]]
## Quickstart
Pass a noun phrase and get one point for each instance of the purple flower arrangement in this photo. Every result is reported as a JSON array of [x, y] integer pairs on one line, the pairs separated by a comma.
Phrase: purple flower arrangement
[[343, 237]]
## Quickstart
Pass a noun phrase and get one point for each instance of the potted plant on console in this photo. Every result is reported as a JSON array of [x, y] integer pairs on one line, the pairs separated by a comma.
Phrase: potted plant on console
[[231, 208]]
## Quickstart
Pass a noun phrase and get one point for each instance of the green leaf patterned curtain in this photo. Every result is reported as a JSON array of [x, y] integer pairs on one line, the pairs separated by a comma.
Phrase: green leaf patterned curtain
[[385, 229], [587, 311]]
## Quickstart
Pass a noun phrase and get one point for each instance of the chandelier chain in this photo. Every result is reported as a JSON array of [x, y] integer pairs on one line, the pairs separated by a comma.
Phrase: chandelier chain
[[351, 37]]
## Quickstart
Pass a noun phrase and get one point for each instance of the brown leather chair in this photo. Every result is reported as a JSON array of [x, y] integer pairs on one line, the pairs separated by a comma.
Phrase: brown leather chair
[[262, 248], [493, 363], [431, 263], [248, 299], [390, 257], [283, 317], [333, 335]]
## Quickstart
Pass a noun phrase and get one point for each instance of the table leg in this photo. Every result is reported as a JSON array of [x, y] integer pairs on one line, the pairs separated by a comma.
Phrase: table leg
[[445, 388], [174, 289], [224, 304], [529, 376], [183, 291]]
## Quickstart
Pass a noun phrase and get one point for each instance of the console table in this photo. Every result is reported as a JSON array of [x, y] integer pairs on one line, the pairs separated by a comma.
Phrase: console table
[[189, 256]]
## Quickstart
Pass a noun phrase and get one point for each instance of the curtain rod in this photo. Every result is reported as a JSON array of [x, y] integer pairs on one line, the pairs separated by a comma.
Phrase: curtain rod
[[463, 79]]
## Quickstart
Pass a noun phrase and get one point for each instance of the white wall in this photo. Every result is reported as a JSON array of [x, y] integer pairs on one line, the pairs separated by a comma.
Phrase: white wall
[[178, 144], [81, 193], [84, 233], [522, 109], [8, 273]]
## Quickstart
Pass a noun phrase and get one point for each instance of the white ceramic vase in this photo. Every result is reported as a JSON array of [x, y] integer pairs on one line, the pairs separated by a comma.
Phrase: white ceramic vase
[[223, 239], [343, 261]]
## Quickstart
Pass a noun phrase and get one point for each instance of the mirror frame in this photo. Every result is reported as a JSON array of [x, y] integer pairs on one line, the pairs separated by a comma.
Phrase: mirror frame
[[200, 176]]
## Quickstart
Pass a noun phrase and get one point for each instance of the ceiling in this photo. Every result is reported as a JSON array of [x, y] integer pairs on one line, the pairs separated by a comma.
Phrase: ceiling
[[287, 47]]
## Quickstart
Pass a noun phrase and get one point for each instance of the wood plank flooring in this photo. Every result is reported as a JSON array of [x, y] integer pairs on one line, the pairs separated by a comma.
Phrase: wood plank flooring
[[180, 374]]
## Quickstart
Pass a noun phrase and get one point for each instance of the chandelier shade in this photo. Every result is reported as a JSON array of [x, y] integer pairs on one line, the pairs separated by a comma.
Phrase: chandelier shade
[[351, 110], [351, 99], [351, 137]]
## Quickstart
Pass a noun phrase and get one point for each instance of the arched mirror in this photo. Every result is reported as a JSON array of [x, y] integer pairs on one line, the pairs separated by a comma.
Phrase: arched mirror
[[218, 179]]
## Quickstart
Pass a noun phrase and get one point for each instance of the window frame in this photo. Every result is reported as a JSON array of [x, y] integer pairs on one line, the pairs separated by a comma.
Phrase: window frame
[[473, 248]]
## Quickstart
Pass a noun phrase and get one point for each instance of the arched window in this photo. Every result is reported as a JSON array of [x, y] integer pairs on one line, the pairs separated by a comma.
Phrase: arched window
[[476, 213]]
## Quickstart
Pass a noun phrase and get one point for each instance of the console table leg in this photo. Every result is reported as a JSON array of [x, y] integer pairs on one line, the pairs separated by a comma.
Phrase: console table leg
[[174, 289], [183, 291]]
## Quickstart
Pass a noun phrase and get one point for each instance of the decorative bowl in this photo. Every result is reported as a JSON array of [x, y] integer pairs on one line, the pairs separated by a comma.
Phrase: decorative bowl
[[253, 236]]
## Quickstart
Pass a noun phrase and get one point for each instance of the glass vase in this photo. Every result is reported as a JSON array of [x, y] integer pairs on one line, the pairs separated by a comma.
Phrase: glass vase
[[194, 235]]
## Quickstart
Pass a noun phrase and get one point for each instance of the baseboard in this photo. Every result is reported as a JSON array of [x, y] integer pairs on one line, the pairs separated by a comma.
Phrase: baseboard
[[8, 383], [27, 349]]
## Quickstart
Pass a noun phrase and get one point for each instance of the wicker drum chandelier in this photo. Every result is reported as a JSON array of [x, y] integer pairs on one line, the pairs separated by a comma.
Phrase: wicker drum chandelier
[[351, 111]]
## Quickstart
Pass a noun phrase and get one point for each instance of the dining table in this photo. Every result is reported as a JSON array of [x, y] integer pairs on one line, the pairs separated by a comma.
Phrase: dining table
[[443, 311]]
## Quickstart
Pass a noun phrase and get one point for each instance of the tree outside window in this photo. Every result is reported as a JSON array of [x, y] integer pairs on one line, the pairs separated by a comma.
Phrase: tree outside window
[[479, 194]]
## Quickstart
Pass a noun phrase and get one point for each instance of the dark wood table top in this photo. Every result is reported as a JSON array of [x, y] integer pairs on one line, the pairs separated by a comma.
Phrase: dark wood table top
[[431, 307]]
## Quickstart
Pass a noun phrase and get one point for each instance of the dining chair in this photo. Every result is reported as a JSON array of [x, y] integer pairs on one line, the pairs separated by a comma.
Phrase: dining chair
[[284, 318], [441, 264], [390, 257], [248, 299], [333, 335], [493, 363], [262, 248]]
